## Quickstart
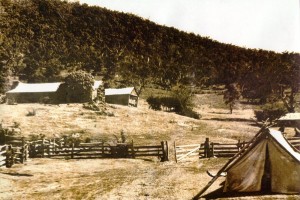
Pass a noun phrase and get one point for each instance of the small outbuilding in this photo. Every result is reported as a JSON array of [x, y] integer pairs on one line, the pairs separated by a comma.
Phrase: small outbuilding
[[290, 120], [121, 96]]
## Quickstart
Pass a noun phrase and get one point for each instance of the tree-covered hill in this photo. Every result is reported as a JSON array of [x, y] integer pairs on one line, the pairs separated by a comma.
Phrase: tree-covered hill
[[41, 38]]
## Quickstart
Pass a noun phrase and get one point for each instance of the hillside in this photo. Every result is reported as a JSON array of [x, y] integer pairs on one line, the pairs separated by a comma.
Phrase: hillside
[[40, 40]]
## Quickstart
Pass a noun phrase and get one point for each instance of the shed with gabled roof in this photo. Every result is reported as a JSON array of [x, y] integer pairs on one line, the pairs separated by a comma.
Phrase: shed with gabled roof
[[121, 96], [32, 92], [40, 92]]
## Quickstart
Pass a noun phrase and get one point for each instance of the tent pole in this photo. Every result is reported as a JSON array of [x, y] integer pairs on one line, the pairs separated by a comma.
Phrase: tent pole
[[229, 161]]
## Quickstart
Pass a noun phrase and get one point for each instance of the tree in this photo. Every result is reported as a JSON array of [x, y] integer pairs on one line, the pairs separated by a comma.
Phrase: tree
[[290, 82], [231, 94], [136, 70], [77, 88]]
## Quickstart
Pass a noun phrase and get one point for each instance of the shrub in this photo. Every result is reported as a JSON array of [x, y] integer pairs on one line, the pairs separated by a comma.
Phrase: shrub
[[154, 103], [2, 98], [77, 88], [171, 103], [180, 102], [31, 112], [8, 132], [11, 101], [45, 100], [188, 112], [270, 111], [122, 138]]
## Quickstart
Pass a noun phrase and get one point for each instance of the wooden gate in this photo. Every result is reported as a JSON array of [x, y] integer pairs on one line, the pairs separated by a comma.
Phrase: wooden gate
[[184, 151]]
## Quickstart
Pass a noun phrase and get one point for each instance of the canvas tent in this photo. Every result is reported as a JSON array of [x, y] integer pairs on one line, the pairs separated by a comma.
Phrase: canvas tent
[[270, 163], [121, 96], [267, 163]]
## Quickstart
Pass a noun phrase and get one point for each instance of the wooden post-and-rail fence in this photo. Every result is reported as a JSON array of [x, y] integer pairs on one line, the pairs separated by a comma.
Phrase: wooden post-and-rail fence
[[13, 153], [212, 149], [57, 148]]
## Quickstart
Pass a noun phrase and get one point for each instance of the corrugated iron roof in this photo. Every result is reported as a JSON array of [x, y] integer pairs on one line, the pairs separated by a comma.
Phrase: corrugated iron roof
[[290, 116], [114, 91], [42, 87], [35, 87]]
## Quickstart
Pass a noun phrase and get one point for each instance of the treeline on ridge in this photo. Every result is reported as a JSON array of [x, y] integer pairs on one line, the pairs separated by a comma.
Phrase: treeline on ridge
[[40, 39]]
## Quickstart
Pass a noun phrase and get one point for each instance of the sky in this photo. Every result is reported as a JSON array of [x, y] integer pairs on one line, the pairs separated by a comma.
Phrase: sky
[[260, 24]]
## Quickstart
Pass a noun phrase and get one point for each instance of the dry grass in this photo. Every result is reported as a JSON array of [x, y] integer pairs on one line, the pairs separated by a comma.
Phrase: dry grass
[[122, 178]]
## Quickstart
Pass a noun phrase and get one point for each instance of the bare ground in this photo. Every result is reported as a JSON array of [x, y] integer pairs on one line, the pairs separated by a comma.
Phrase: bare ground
[[122, 178]]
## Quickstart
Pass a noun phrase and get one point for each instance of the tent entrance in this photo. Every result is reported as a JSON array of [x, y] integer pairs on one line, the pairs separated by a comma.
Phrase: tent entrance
[[266, 178]]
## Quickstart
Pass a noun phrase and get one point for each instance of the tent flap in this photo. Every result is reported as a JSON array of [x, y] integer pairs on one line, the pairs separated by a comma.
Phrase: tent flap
[[245, 173]]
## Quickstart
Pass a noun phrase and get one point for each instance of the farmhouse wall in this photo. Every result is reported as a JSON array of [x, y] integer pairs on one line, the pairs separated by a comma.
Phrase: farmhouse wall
[[30, 97], [118, 99]]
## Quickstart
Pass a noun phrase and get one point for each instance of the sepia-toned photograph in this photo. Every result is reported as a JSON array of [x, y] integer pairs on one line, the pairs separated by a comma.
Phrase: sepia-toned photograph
[[149, 99]]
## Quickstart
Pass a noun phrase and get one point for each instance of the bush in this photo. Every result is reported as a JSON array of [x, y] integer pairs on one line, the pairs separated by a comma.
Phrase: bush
[[45, 100], [180, 102], [154, 103], [270, 111], [31, 112], [4, 132], [77, 88], [2, 98], [188, 112]]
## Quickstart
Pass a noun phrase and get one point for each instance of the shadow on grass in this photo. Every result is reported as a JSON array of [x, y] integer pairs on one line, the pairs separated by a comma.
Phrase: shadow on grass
[[230, 119], [17, 174], [220, 113], [220, 194]]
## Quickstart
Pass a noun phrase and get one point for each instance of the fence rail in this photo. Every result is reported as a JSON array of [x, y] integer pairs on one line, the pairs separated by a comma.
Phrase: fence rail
[[58, 148], [213, 149], [295, 142]]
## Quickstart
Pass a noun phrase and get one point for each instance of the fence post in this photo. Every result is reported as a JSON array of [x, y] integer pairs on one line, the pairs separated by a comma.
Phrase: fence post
[[72, 152], [167, 151], [212, 153], [43, 148], [22, 154], [239, 145], [102, 148], [22, 150], [206, 148], [48, 149], [132, 150], [26, 152], [9, 161], [32, 152], [54, 146], [163, 151], [175, 154]]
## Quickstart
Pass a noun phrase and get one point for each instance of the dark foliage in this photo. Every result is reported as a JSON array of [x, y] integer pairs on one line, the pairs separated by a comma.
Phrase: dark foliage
[[179, 102], [41, 38], [77, 88], [270, 111]]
